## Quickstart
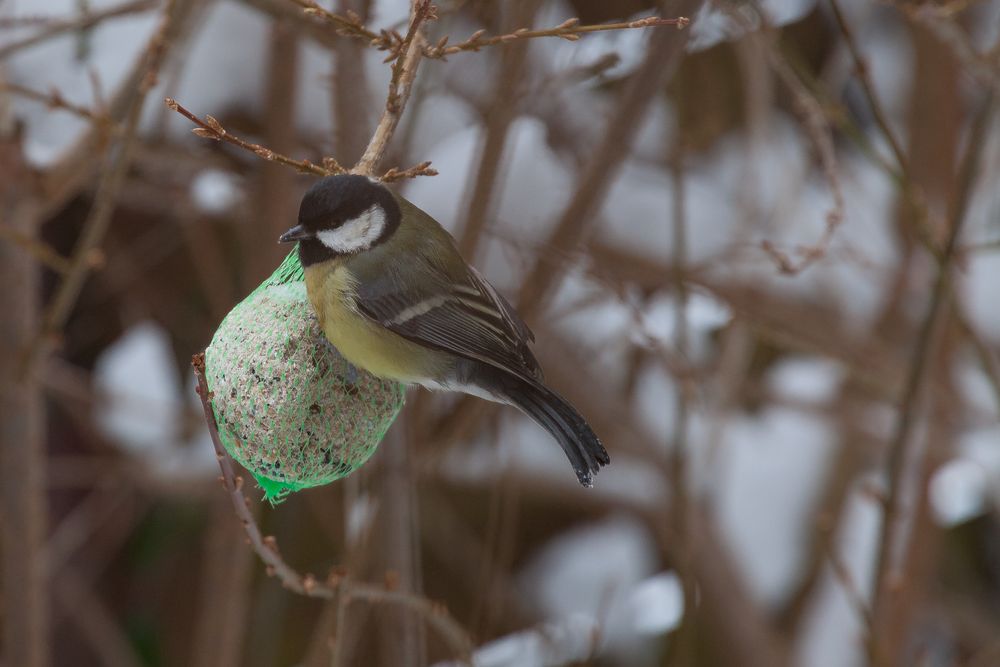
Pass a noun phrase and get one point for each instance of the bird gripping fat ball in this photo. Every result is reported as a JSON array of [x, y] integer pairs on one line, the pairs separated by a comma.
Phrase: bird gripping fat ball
[[394, 296], [288, 407]]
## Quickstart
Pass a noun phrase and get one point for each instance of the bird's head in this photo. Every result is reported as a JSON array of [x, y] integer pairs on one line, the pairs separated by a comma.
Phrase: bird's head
[[343, 215]]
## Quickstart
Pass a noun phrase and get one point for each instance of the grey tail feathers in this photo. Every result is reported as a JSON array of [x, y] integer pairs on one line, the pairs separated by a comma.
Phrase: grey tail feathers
[[554, 413]]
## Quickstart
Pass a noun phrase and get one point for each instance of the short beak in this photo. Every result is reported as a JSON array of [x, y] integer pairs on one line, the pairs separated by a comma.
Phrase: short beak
[[296, 233]]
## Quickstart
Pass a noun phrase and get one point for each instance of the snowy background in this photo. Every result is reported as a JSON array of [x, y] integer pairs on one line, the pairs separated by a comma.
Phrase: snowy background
[[748, 398]]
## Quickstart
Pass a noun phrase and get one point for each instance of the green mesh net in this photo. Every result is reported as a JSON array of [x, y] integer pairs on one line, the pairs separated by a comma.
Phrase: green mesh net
[[289, 408]]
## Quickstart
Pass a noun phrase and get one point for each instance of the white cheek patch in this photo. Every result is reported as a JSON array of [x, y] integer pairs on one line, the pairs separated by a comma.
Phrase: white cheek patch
[[357, 234]]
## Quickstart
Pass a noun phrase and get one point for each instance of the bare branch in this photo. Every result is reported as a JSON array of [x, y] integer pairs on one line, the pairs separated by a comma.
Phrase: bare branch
[[658, 66], [864, 77], [940, 21], [888, 569], [818, 127], [499, 117], [421, 169], [349, 25], [569, 30], [404, 69], [39, 250], [86, 21], [22, 21], [54, 100], [110, 183], [308, 585], [389, 40]]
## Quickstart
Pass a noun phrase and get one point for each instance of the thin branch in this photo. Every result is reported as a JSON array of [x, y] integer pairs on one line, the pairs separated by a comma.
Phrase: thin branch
[[984, 246], [339, 637], [350, 24], [911, 194], [499, 116], [55, 100], [88, 20], [404, 69], [851, 590], [818, 128], [658, 66], [864, 77], [24, 604], [985, 354], [422, 169], [405, 54], [22, 21], [351, 114], [221, 621], [676, 460], [308, 585], [570, 30], [95, 622], [941, 23], [39, 250], [210, 128], [112, 178], [887, 572]]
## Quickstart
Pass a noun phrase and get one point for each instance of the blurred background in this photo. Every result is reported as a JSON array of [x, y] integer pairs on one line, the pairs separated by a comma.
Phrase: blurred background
[[761, 254]]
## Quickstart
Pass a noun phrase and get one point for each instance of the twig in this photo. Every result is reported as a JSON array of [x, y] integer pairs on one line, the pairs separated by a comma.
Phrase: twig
[[94, 621], [887, 572], [274, 192], [210, 128], [569, 30], [984, 246], [78, 167], [940, 22], [107, 496], [308, 585], [499, 117], [659, 64], [422, 169], [55, 100], [40, 250], [351, 114], [110, 183], [864, 77], [405, 54], [339, 637], [81, 23], [349, 25], [24, 604], [390, 40], [911, 194], [818, 128], [227, 570], [987, 358], [404, 69], [901, 174], [676, 460], [396, 551], [25, 20], [850, 586]]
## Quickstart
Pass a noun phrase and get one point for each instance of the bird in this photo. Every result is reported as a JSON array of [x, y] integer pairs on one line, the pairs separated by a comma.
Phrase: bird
[[394, 296]]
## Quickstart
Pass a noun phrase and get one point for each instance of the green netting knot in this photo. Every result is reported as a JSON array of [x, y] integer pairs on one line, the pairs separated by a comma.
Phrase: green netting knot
[[289, 408]]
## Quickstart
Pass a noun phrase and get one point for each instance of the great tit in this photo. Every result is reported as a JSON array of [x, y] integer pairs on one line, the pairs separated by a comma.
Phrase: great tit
[[394, 296]]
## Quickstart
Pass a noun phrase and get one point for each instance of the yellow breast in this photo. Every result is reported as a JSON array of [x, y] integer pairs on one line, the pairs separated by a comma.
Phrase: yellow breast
[[364, 343]]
